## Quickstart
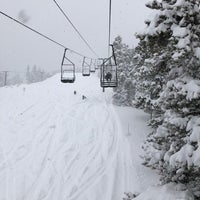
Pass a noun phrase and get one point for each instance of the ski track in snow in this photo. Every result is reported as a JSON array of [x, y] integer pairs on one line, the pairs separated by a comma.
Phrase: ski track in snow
[[56, 146]]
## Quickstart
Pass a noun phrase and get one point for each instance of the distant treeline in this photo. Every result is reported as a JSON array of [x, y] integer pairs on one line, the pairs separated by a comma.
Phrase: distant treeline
[[31, 75]]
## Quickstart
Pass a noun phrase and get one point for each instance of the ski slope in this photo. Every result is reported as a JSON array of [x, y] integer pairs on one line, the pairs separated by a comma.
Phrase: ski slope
[[56, 146]]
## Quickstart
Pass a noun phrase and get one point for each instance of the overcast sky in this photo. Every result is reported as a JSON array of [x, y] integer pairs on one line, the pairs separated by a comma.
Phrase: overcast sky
[[20, 47]]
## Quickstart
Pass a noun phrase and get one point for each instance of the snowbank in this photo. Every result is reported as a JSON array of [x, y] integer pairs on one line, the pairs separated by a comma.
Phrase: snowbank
[[166, 192]]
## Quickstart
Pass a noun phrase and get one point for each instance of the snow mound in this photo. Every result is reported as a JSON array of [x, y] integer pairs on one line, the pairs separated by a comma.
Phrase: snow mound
[[166, 192]]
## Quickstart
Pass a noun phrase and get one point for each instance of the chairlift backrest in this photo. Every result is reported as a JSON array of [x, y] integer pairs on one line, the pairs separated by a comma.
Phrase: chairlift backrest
[[85, 68], [67, 69], [92, 66], [109, 72]]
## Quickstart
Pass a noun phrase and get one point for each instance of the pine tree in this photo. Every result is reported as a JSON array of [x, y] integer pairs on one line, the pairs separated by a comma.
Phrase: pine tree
[[174, 146], [35, 75], [15, 80], [1, 80], [152, 66], [28, 76], [125, 92]]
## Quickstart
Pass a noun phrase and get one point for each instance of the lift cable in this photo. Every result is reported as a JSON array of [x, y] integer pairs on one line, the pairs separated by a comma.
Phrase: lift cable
[[108, 68], [110, 11], [75, 28], [44, 36]]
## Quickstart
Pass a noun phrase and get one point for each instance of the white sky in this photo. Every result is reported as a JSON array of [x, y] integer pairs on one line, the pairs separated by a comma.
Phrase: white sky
[[20, 47]]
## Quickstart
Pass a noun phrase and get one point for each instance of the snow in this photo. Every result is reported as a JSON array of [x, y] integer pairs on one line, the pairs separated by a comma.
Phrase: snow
[[176, 55], [183, 42], [182, 157], [135, 131], [179, 31], [166, 192], [186, 86], [55, 145], [197, 52], [193, 89], [194, 126], [195, 136]]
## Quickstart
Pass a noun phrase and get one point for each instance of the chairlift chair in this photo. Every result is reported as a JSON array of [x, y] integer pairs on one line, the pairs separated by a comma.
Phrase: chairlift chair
[[109, 72], [85, 68], [92, 67], [67, 70], [96, 65]]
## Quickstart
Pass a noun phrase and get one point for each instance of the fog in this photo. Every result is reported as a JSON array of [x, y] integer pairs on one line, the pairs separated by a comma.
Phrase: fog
[[19, 47]]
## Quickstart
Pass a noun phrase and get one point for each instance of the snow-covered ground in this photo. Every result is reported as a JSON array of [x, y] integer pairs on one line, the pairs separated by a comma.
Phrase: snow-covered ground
[[56, 146]]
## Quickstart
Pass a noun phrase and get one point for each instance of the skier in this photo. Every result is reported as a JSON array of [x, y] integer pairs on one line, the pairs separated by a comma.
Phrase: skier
[[84, 97]]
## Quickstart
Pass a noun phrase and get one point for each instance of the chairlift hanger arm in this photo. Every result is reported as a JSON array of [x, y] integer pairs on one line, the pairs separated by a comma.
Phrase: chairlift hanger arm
[[90, 62], [113, 54], [84, 62], [65, 57], [68, 58]]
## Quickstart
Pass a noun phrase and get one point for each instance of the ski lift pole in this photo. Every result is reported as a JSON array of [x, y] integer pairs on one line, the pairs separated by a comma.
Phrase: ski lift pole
[[5, 77]]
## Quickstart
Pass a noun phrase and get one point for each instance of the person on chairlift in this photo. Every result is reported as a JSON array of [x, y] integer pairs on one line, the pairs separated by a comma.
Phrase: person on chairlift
[[108, 76]]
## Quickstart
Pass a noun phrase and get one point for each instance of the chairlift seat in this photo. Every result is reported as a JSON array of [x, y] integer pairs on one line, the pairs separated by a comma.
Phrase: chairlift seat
[[85, 74], [86, 68], [109, 72], [67, 80], [67, 70]]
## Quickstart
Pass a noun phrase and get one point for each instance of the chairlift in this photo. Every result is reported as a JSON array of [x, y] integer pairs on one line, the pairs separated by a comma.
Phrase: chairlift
[[85, 68], [96, 65], [67, 69], [92, 66], [109, 72]]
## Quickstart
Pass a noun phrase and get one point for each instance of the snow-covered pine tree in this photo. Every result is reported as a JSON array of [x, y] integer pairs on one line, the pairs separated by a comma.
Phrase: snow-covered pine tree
[[35, 74], [15, 79], [174, 147], [28, 75], [125, 92], [1, 79], [152, 65]]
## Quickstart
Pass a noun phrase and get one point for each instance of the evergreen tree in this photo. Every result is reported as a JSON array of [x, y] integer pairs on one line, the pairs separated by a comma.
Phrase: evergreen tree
[[28, 76], [173, 147], [1, 79], [152, 66], [125, 92], [15, 79], [35, 75]]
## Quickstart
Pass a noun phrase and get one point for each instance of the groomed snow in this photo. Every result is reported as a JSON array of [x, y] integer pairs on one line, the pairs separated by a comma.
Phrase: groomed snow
[[56, 146]]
